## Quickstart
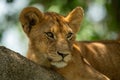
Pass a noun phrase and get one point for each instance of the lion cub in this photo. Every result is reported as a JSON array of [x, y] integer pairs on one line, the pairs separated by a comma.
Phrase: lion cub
[[51, 38]]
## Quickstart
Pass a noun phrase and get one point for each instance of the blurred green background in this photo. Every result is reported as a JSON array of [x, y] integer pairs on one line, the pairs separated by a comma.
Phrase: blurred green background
[[101, 20]]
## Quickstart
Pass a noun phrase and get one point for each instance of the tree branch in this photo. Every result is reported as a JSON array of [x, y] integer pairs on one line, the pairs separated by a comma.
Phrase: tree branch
[[13, 66]]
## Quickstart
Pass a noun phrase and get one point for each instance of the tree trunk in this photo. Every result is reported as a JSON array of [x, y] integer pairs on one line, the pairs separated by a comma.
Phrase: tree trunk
[[13, 66]]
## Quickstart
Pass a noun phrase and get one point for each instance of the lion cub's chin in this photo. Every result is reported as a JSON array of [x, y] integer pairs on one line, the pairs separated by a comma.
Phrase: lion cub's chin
[[59, 64]]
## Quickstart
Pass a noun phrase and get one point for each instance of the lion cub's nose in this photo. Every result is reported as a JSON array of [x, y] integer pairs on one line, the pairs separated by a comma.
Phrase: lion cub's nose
[[62, 54]]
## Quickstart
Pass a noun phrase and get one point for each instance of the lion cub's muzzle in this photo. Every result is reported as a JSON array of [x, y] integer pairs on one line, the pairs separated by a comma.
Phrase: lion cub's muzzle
[[62, 54], [60, 58]]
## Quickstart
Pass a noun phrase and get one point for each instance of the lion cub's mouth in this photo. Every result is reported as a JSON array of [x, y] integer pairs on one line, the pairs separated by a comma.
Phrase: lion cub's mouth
[[59, 64], [59, 61]]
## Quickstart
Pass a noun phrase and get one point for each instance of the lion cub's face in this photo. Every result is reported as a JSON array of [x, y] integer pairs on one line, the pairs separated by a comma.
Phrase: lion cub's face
[[51, 35]]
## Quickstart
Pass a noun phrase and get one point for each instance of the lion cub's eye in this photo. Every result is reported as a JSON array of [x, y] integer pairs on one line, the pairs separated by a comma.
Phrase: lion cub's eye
[[69, 35], [50, 35]]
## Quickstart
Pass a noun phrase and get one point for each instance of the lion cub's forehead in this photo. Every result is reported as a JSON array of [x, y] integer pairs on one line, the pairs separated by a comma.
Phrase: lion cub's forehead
[[57, 23]]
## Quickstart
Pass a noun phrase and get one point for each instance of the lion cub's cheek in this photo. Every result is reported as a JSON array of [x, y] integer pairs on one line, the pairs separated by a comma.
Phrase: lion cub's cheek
[[68, 58]]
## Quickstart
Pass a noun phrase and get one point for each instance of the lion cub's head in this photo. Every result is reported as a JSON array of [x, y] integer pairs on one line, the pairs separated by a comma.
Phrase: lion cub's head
[[51, 35]]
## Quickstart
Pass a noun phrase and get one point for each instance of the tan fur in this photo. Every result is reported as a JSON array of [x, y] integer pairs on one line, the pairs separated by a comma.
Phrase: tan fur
[[78, 69], [104, 56], [51, 38], [38, 26]]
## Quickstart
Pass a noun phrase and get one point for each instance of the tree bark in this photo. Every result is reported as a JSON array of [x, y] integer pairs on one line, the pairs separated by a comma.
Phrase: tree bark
[[13, 66]]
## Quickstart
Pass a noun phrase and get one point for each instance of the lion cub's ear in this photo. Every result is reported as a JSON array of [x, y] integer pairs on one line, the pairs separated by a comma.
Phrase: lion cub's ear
[[29, 17], [74, 18]]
